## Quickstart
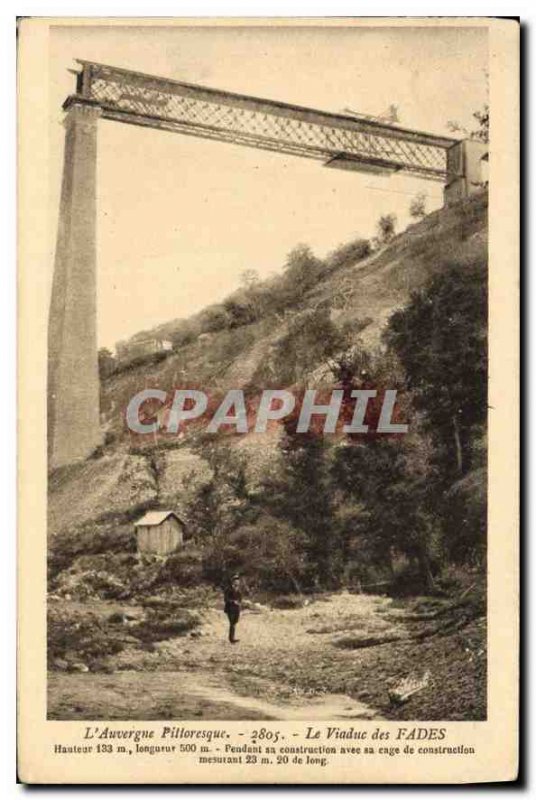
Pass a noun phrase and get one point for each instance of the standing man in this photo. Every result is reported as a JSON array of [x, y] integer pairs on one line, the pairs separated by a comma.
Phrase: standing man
[[233, 599]]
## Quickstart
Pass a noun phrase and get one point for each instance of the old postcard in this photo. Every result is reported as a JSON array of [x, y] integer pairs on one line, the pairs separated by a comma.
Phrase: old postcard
[[268, 400]]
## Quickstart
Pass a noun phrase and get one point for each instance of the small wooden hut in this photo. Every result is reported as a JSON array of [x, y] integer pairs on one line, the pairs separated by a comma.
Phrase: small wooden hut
[[159, 532]]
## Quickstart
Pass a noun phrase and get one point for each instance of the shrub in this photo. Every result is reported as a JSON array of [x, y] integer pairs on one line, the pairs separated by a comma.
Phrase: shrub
[[386, 226], [287, 601], [269, 554], [79, 635], [192, 597], [214, 318], [240, 311], [417, 207], [465, 518], [311, 339], [90, 584], [408, 582], [141, 361], [164, 622], [357, 641], [184, 568], [348, 254], [114, 537]]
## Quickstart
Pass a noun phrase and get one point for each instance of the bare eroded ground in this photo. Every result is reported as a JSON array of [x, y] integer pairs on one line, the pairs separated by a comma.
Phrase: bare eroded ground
[[289, 664]]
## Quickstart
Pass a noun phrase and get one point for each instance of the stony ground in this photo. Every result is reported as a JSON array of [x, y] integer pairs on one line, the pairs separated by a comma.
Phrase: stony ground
[[339, 656]]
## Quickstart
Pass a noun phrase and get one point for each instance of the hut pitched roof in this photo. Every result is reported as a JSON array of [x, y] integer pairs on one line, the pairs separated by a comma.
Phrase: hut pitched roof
[[156, 518]]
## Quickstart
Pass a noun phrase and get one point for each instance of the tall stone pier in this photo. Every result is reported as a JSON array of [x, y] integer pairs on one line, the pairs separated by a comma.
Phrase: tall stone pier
[[73, 380]]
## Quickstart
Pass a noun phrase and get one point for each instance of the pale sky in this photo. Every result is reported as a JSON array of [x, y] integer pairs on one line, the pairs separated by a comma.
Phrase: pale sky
[[179, 218]]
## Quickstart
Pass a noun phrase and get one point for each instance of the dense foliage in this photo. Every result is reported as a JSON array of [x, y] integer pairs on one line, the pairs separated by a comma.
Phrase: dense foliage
[[349, 510], [441, 340], [368, 509]]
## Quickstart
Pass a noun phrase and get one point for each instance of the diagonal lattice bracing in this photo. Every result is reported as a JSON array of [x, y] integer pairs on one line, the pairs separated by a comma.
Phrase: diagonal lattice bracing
[[337, 140]]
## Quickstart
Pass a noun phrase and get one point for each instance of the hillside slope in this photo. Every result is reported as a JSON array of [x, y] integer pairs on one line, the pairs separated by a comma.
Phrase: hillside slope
[[365, 294], [128, 477], [314, 528], [374, 288]]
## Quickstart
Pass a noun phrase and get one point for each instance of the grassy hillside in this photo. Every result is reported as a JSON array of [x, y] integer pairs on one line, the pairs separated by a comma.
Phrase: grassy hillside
[[361, 295]]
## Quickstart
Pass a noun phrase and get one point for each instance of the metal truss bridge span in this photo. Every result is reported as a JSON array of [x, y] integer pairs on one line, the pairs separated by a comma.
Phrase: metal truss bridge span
[[337, 140]]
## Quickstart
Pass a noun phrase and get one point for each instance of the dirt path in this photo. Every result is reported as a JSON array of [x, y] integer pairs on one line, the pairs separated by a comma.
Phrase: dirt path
[[180, 695], [331, 706], [204, 675], [289, 665], [274, 633]]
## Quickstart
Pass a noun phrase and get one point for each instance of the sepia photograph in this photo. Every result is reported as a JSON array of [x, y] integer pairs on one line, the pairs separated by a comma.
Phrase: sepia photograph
[[267, 392]]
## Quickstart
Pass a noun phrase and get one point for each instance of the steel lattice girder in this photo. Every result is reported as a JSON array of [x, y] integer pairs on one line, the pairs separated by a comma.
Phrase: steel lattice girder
[[337, 140]]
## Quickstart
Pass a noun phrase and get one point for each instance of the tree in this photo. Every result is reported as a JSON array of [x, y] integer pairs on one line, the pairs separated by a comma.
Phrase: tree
[[441, 340], [268, 553], [311, 339], [214, 318], [390, 478], [348, 254], [240, 310], [106, 363], [465, 519], [302, 269], [184, 334], [202, 511], [479, 131], [239, 532], [417, 207], [255, 294], [249, 278], [301, 495], [386, 228]]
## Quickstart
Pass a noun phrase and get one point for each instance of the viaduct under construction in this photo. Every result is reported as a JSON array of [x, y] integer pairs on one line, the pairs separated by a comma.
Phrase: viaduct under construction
[[338, 141]]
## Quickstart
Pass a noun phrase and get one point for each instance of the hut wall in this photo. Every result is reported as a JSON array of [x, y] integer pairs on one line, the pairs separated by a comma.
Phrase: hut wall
[[160, 539]]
